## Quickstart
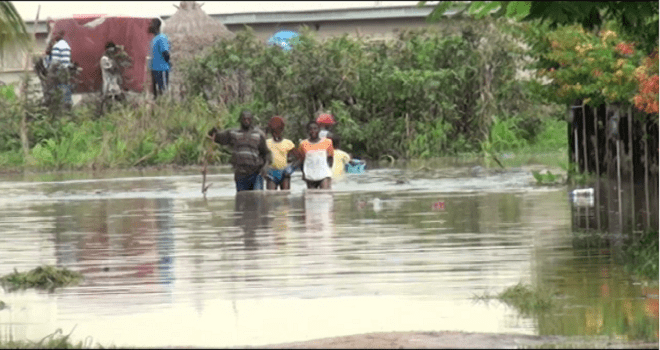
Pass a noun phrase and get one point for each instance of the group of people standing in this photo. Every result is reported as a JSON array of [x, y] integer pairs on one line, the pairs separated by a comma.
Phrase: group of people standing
[[58, 58], [256, 158], [159, 64]]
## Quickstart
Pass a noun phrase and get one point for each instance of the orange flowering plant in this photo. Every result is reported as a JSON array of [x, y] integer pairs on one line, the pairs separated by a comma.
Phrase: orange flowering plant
[[599, 68], [647, 78]]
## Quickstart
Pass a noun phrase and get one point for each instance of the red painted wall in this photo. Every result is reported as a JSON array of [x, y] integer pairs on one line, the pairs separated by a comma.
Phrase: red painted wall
[[87, 46]]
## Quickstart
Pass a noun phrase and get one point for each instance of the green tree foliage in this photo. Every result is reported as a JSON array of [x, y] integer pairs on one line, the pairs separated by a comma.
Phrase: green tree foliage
[[637, 20], [423, 94], [12, 28]]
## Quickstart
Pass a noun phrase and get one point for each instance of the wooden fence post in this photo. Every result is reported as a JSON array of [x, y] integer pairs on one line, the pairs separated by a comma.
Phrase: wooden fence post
[[576, 151], [586, 158], [606, 159], [618, 180], [646, 176], [584, 140], [597, 196], [632, 168]]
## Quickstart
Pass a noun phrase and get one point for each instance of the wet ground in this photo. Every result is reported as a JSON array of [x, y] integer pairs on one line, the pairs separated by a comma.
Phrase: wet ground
[[390, 250]]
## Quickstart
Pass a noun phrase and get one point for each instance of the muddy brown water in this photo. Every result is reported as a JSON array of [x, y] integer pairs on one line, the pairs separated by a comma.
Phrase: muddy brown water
[[390, 250]]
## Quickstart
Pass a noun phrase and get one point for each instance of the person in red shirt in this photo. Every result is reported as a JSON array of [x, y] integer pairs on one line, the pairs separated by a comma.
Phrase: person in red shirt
[[317, 156]]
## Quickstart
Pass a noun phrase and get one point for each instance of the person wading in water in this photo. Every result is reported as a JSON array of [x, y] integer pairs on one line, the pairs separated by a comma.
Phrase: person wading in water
[[250, 155], [317, 158]]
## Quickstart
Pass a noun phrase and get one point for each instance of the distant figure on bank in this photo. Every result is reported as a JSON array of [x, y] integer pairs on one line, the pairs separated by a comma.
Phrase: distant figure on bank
[[60, 60], [110, 73], [279, 175], [250, 155], [60, 51], [160, 59], [317, 158]]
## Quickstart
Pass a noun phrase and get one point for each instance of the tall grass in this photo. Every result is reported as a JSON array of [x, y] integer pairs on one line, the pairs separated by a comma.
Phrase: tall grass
[[146, 134], [56, 340], [549, 147]]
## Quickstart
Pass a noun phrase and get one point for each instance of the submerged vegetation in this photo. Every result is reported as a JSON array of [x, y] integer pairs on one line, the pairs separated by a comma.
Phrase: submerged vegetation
[[588, 311], [637, 253], [642, 255], [56, 340], [43, 277], [526, 299]]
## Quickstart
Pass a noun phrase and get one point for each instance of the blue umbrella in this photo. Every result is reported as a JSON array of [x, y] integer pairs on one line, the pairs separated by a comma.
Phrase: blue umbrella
[[283, 39]]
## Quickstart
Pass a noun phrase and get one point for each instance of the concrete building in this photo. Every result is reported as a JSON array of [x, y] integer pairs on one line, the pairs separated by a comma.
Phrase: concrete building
[[375, 22]]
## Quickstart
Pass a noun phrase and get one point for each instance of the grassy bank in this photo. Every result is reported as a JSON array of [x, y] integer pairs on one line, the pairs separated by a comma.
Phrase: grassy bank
[[131, 135], [170, 133]]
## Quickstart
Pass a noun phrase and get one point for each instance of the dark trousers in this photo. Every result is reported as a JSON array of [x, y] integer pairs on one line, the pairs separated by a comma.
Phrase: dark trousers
[[159, 81]]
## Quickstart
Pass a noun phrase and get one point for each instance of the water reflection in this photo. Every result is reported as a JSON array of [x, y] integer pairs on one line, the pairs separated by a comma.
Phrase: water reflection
[[254, 268], [318, 213], [251, 208], [599, 298], [122, 248]]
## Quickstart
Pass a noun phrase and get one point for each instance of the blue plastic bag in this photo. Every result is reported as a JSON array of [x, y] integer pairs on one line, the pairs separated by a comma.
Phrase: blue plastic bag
[[355, 166]]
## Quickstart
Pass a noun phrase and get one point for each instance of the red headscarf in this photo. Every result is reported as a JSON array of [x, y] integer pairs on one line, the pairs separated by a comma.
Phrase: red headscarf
[[326, 119]]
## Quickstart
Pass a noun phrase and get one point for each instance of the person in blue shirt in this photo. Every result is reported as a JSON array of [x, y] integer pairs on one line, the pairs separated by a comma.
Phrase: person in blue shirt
[[160, 59]]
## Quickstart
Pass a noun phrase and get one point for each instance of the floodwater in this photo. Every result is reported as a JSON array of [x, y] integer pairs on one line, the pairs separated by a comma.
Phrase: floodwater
[[387, 250]]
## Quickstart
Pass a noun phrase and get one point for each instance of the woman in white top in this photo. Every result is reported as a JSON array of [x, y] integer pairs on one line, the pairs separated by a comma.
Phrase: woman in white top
[[110, 73], [317, 158]]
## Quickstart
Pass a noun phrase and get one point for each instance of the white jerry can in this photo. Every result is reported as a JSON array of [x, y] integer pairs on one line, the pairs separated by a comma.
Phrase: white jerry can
[[583, 197]]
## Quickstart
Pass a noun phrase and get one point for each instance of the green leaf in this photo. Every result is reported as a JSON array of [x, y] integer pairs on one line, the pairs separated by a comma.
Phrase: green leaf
[[438, 11], [550, 177], [537, 176], [518, 9], [482, 9]]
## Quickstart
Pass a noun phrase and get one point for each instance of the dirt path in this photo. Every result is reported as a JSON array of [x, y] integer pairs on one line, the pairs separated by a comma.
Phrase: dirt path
[[458, 340]]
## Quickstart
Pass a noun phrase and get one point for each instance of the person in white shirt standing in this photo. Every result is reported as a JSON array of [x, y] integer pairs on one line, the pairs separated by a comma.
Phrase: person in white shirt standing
[[60, 59], [111, 74]]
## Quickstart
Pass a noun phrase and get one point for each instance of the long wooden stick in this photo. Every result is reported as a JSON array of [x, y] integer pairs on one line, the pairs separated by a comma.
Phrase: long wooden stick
[[204, 169], [24, 90]]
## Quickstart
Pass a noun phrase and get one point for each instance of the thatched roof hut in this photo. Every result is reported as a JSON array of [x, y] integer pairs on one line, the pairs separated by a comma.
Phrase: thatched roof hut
[[190, 30]]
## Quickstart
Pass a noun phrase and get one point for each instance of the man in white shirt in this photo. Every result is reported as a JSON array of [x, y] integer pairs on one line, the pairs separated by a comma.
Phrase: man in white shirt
[[60, 54], [61, 51]]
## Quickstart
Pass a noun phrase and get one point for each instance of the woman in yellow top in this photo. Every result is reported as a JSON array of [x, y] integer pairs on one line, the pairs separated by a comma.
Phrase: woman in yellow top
[[340, 159], [278, 174]]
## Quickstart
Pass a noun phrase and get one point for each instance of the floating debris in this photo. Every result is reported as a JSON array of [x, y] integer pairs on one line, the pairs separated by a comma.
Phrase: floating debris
[[43, 277], [439, 205]]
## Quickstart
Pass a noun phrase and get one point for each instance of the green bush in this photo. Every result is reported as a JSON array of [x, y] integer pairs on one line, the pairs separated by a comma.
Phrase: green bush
[[402, 97], [427, 93]]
